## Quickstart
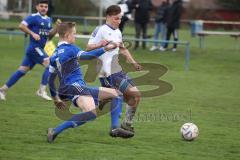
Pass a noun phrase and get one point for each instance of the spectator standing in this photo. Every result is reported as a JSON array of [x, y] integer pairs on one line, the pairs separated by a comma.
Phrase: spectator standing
[[160, 24], [173, 23], [141, 19], [126, 7]]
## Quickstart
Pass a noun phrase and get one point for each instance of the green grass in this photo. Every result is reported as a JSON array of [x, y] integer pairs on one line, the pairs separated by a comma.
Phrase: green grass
[[210, 89]]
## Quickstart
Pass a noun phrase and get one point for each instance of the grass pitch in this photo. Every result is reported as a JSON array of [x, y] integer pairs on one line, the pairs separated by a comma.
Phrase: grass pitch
[[207, 94]]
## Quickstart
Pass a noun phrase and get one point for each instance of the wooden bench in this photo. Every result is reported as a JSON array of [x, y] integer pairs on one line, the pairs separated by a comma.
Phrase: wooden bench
[[202, 34]]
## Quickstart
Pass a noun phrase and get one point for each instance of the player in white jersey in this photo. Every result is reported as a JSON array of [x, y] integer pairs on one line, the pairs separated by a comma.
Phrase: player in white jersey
[[110, 71]]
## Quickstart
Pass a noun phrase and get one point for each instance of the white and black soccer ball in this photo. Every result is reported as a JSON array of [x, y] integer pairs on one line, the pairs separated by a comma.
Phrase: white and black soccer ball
[[189, 131]]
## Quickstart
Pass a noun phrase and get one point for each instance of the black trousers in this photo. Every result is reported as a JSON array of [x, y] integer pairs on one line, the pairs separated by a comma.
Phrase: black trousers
[[174, 32], [123, 22], [140, 28]]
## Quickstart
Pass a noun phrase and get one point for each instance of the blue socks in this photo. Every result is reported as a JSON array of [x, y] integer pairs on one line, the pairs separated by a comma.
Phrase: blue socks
[[18, 74], [15, 77], [76, 120], [116, 103], [45, 76], [116, 110]]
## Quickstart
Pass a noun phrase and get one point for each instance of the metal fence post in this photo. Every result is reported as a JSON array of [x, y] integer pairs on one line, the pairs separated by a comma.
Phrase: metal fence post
[[187, 56]]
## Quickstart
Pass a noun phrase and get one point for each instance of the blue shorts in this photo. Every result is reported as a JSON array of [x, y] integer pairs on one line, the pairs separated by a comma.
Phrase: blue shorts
[[34, 56], [72, 92], [119, 80]]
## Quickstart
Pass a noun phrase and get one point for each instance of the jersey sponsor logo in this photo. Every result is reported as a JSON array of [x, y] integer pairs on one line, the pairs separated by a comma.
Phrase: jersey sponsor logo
[[44, 32]]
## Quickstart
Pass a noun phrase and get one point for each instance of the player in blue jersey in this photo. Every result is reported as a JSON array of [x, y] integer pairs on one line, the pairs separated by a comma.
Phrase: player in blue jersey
[[111, 74], [39, 27], [72, 87]]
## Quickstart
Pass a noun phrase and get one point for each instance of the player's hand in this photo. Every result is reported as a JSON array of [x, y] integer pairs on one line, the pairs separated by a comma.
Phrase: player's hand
[[60, 104], [137, 67], [121, 45], [103, 42], [111, 46], [58, 22], [36, 36]]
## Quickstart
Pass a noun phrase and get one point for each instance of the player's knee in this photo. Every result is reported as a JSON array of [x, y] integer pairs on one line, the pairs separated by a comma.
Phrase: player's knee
[[133, 101], [133, 98], [137, 100]]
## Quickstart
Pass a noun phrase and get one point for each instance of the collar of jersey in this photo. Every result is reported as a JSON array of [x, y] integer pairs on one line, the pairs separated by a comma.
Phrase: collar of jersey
[[110, 26], [62, 42], [44, 17]]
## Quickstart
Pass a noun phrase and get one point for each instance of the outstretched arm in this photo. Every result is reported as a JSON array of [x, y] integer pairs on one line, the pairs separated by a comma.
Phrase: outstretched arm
[[127, 55], [52, 88], [102, 43], [84, 55]]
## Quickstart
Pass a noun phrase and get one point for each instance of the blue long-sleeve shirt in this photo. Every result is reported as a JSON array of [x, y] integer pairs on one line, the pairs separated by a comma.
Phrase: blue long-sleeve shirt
[[65, 63]]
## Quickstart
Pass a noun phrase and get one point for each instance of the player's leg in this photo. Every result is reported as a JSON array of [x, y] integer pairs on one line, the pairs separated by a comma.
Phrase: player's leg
[[131, 95], [116, 110], [42, 58], [109, 93], [26, 65], [116, 105], [85, 102], [44, 82]]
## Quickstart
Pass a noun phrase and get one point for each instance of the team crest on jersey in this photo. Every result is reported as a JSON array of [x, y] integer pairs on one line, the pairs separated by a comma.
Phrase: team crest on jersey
[[42, 24]]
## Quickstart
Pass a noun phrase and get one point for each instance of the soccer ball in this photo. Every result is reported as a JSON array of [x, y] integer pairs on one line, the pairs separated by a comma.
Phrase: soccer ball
[[189, 131]]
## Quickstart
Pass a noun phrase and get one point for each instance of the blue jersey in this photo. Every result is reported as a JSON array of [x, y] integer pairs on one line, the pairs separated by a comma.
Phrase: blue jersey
[[40, 25], [65, 62]]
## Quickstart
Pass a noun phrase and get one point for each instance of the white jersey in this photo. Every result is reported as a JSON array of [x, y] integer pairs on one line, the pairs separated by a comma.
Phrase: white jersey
[[108, 63]]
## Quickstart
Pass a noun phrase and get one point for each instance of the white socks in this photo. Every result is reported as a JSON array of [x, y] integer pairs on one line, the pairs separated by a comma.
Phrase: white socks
[[130, 112], [42, 88]]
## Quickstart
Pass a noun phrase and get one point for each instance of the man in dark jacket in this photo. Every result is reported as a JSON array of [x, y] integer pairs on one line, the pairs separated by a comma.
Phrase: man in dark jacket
[[141, 19], [160, 24], [173, 23], [127, 5]]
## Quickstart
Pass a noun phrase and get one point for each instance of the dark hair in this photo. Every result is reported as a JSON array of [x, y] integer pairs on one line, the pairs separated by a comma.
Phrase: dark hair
[[113, 10], [65, 27], [42, 1]]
